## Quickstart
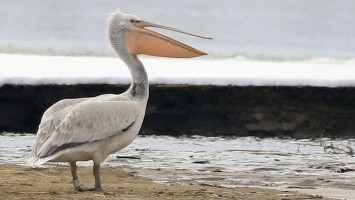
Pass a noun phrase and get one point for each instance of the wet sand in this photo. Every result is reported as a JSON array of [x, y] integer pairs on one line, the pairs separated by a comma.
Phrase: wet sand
[[20, 182]]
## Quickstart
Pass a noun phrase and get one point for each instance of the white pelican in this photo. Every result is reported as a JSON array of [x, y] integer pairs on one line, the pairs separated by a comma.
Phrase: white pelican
[[93, 128]]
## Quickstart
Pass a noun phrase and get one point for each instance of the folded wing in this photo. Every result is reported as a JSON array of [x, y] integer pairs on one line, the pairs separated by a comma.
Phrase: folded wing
[[86, 122]]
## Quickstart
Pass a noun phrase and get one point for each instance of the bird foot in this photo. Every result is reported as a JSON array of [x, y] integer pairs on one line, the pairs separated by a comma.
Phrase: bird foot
[[77, 186], [81, 189], [96, 188]]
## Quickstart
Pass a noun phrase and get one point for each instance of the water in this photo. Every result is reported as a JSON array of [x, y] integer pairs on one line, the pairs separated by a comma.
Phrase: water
[[255, 29], [229, 162]]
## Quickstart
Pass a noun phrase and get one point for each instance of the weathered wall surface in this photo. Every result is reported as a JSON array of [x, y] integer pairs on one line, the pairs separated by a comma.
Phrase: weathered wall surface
[[300, 112]]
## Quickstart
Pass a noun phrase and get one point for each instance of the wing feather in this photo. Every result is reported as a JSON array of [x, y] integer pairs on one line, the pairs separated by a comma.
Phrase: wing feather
[[87, 122], [52, 118]]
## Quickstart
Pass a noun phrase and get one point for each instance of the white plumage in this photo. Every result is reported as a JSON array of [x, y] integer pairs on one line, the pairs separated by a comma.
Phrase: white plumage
[[93, 128]]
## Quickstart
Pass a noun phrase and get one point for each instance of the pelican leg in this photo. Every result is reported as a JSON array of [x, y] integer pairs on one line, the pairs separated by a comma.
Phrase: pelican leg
[[96, 171], [76, 183]]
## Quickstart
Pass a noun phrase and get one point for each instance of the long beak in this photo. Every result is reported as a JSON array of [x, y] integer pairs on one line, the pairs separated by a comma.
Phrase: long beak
[[143, 24], [144, 41]]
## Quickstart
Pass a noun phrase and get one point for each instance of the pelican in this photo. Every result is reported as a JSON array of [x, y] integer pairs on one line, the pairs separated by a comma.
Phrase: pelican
[[85, 129]]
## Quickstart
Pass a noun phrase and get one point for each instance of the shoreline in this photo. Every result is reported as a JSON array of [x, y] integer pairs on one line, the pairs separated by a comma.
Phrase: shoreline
[[22, 182], [232, 164]]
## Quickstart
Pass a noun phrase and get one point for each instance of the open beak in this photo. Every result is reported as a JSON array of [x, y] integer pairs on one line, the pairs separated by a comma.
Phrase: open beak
[[144, 41]]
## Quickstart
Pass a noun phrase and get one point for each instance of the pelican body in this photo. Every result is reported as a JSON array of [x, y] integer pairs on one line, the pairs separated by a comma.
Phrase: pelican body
[[84, 129]]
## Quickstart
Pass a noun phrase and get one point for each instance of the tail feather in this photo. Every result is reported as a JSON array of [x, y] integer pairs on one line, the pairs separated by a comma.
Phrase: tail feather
[[36, 161]]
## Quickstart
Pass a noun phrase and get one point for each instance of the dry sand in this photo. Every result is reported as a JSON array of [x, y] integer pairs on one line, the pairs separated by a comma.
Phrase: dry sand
[[19, 182]]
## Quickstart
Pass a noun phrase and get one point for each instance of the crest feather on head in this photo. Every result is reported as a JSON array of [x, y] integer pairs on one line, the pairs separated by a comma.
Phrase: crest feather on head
[[113, 15]]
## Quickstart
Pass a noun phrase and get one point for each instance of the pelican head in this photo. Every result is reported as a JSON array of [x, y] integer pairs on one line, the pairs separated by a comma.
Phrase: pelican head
[[131, 31]]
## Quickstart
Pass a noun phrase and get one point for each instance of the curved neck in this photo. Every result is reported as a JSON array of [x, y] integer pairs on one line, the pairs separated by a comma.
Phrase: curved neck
[[139, 86]]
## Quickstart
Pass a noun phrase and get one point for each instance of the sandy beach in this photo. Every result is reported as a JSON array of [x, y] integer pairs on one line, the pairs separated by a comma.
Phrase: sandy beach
[[19, 182]]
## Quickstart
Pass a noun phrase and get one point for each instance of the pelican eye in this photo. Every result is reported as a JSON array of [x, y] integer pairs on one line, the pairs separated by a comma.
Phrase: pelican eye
[[134, 21]]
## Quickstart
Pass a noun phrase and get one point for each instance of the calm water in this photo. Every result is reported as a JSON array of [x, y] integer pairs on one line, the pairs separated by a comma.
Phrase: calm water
[[249, 161]]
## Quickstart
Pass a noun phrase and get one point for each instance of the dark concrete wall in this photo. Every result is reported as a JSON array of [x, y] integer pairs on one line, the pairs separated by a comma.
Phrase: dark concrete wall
[[300, 112]]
